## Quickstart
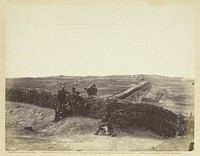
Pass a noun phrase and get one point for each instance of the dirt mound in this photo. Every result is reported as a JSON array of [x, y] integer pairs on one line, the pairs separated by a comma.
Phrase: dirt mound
[[27, 117], [20, 115], [124, 115], [30, 119], [29, 127], [72, 126]]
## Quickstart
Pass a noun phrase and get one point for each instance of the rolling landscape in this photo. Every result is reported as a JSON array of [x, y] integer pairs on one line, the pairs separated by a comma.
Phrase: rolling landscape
[[30, 127]]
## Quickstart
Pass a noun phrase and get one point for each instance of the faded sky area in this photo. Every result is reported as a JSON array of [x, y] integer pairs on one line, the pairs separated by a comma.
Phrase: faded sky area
[[99, 40]]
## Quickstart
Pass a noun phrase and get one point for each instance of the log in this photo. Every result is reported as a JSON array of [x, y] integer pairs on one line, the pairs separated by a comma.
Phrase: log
[[125, 94]]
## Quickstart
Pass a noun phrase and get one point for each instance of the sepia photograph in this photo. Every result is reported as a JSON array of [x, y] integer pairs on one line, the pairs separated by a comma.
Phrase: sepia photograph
[[110, 77]]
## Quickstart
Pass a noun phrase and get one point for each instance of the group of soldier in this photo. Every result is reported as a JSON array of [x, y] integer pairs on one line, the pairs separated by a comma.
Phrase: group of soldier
[[65, 103], [72, 104]]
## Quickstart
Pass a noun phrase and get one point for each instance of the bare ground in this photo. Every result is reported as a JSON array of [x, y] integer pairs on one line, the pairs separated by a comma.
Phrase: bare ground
[[76, 134]]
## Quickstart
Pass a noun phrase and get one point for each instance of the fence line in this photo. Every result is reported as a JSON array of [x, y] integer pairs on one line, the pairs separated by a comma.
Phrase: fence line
[[36, 96]]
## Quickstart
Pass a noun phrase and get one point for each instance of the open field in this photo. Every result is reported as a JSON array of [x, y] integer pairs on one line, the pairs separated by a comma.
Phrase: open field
[[180, 92], [76, 133]]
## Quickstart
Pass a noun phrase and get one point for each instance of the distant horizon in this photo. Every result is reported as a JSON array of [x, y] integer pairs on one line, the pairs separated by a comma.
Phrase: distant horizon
[[63, 75]]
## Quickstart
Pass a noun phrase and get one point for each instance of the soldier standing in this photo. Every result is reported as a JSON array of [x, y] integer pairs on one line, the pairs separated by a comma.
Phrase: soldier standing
[[62, 97], [73, 101], [59, 110]]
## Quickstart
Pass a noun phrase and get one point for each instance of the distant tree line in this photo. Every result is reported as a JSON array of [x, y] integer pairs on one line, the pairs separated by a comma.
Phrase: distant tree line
[[36, 96]]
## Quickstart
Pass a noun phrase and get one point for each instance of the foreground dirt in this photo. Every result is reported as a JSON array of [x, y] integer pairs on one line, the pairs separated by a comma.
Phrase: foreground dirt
[[76, 134]]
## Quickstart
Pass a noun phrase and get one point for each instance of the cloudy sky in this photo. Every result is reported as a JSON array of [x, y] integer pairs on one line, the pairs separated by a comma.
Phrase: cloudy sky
[[99, 40]]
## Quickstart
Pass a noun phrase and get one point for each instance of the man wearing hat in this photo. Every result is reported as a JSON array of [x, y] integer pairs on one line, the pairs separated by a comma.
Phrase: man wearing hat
[[61, 103]]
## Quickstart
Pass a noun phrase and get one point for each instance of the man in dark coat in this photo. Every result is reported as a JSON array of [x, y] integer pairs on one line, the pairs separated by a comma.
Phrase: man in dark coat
[[73, 101], [76, 102], [91, 90], [62, 96], [57, 107], [59, 110]]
